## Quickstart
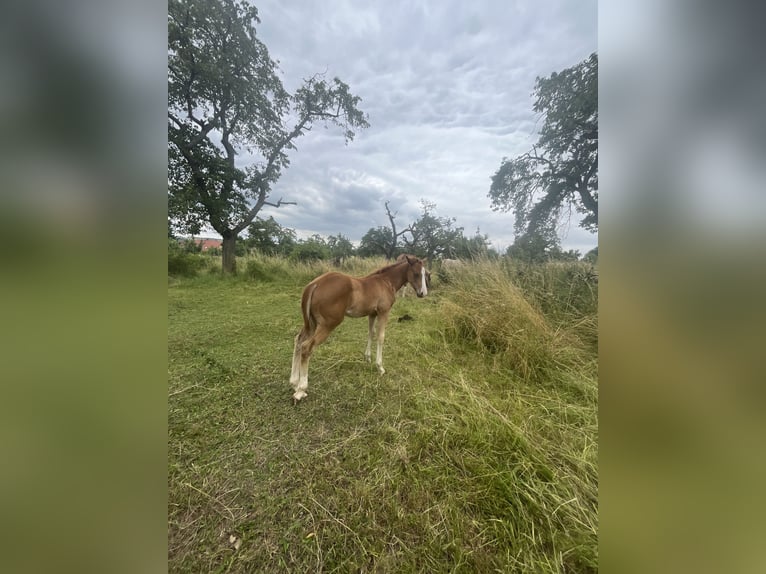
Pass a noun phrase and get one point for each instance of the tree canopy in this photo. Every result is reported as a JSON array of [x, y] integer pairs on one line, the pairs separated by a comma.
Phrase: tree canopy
[[429, 236], [433, 236], [561, 169], [269, 237], [227, 103], [540, 245]]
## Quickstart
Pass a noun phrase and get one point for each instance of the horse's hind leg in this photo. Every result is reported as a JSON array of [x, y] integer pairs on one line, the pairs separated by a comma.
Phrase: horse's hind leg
[[305, 348], [295, 373], [299, 382]]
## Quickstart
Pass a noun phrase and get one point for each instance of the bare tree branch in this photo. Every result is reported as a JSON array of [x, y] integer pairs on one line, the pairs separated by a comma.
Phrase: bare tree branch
[[280, 203]]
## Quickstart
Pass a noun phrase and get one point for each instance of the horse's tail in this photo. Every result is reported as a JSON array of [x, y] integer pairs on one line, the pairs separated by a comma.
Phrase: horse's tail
[[309, 321]]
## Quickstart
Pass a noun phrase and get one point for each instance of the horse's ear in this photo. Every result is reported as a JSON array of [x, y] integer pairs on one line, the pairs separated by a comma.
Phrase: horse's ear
[[411, 260]]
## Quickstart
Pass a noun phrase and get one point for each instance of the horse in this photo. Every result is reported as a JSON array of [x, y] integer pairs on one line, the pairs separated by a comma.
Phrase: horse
[[404, 290], [333, 296]]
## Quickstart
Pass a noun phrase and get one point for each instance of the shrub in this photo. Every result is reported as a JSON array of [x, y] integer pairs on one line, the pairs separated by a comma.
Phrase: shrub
[[266, 269], [310, 250], [255, 270], [184, 261]]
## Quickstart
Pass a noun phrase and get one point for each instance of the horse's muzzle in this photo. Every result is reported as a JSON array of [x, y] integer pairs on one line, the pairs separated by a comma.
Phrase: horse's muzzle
[[421, 295]]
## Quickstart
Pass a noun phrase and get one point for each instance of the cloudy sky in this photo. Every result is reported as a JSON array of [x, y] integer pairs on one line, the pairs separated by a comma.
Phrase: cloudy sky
[[447, 86]]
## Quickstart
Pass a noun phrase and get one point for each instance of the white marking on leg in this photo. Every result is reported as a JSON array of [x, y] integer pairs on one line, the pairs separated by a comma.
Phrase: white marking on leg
[[303, 380], [302, 385], [379, 358], [382, 321], [295, 373], [300, 389], [368, 351]]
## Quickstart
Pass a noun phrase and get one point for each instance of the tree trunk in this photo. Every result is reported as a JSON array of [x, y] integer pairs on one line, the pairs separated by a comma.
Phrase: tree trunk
[[229, 260], [390, 251]]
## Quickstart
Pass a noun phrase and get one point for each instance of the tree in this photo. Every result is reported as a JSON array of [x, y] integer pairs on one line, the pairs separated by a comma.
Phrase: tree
[[473, 247], [340, 246], [540, 245], [432, 236], [535, 246], [226, 101], [375, 242], [562, 168], [270, 238], [312, 249], [383, 240]]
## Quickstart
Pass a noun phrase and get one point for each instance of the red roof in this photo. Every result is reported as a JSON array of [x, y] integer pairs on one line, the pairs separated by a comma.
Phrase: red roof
[[209, 243]]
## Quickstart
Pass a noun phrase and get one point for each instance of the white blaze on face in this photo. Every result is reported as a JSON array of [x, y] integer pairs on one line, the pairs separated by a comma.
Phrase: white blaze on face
[[423, 288]]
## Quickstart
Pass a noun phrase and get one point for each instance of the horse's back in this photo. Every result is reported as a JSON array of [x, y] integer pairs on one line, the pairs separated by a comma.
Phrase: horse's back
[[328, 296], [333, 281]]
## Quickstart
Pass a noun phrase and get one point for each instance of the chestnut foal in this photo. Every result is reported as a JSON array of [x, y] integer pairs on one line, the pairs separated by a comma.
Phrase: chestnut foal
[[403, 291], [329, 298]]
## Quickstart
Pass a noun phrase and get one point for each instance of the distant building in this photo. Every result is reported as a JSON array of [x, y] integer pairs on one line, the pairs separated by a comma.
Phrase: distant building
[[206, 243]]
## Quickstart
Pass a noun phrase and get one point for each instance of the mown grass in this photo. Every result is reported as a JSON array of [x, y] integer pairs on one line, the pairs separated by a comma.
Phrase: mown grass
[[459, 459]]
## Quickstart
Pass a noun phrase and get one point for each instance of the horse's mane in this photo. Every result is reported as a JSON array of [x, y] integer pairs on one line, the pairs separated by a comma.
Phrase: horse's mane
[[386, 268]]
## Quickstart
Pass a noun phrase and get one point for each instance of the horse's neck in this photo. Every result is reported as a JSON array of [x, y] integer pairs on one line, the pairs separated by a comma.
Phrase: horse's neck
[[397, 276]]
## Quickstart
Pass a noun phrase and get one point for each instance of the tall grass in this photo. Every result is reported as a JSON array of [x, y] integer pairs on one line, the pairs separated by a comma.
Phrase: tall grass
[[274, 269], [536, 330], [523, 439], [476, 452], [534, 484]]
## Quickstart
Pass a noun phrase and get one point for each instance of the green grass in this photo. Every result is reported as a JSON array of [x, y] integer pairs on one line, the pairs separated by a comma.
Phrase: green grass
[[457, 460]]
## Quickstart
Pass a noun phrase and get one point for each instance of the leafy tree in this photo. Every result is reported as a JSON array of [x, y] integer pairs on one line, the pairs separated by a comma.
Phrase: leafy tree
[[383, 240], [312, 249], [568, 255], [562, 168], [340, 246], [269, 237], [473, 247], [535, 246], [375, 242], [433, 236], [591, 256], [225, 102]]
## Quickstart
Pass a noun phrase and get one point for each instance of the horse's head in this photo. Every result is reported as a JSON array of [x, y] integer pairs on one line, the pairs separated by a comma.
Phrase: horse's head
[[417, 276]]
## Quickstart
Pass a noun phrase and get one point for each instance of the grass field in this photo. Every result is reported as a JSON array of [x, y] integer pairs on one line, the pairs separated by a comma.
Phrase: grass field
[[476, 451]]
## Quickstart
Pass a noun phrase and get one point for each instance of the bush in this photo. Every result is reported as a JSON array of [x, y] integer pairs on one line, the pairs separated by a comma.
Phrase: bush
[[266, 269], [183, 261], [254, 270], [310, 250]]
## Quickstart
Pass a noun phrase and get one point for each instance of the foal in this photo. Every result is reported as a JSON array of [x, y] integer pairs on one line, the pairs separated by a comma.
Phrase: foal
[[329, 298], [403, 291]]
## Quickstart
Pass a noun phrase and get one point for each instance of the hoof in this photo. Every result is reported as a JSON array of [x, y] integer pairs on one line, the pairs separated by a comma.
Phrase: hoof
[[381, 370], [298, 396]]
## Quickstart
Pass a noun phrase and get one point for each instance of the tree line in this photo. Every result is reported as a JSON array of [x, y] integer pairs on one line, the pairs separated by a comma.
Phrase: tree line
[[226, 101], [429, 237]]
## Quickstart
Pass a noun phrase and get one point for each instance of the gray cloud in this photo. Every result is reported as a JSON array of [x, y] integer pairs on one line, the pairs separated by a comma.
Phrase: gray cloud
[[447, 86]]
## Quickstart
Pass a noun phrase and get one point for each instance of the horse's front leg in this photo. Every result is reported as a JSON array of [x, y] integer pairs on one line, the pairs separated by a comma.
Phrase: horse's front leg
[[368, 351], [382, 321]]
